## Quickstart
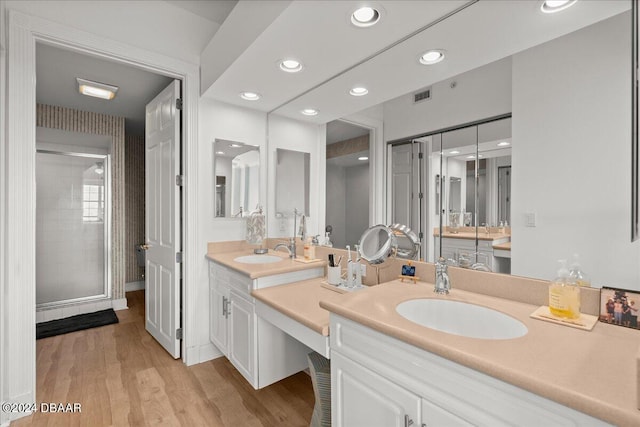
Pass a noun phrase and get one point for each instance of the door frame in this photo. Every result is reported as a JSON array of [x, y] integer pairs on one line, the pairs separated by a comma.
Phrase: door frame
[[17, 283]]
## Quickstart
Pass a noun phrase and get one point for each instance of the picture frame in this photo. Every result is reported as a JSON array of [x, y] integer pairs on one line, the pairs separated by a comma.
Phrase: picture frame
[[620, 307]]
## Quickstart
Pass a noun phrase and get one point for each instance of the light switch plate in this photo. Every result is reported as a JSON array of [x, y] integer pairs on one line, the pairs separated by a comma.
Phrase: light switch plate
[[530, 219]]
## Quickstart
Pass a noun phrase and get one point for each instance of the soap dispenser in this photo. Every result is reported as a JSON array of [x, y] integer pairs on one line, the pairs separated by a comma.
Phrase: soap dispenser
[[576, 273], [564, 294]]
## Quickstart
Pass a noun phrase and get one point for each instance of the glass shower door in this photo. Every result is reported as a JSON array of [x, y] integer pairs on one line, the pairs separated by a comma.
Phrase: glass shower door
[[72, 227]]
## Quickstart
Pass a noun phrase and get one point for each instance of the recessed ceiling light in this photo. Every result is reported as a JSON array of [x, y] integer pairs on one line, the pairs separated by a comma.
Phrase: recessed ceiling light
[[95, 89], [309, 112], [471, 157], [219, 152], [365, 17], [454, 152], [363, 158], [99, 168], [432, 56], [553, 6], [290, 65], [503, 143], [359, 91], [250, 96], [236, 145]]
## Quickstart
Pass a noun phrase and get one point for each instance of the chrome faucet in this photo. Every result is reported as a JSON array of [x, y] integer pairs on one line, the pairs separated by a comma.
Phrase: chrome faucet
[[291, 247], [443, 284]]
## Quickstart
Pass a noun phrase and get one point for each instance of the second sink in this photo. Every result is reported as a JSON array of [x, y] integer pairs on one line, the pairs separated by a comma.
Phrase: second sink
[[258, 259], [460, 318]]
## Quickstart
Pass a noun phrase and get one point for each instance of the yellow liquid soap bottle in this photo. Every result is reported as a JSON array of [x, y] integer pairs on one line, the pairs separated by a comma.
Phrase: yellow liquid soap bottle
[[564, 295]]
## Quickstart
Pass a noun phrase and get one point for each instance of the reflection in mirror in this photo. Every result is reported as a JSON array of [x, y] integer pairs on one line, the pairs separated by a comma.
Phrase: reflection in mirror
[[292, 183], [377, 244], [236, 176], [347, 187]]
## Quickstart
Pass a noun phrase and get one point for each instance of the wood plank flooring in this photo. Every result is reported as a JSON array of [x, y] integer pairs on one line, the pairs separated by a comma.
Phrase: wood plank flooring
[[121, 376]]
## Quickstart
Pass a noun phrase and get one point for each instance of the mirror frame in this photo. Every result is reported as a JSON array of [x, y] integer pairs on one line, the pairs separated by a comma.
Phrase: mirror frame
[[635, 111]]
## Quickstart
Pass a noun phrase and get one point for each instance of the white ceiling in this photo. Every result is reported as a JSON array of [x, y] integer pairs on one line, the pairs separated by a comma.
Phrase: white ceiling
[[56, 72], [319, 34], [213, 10]]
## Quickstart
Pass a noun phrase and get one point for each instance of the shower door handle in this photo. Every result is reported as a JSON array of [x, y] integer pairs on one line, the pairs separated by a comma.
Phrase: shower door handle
[[145, 246]]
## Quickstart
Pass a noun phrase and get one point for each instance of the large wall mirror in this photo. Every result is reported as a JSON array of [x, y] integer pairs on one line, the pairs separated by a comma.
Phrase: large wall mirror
[[236, 176], [292, 183], [560, 181]]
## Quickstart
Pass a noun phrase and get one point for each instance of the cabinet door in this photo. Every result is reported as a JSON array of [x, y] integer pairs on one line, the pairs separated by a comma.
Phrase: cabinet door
[[218, 303], [362, 398], [433, 415], [242, 337]]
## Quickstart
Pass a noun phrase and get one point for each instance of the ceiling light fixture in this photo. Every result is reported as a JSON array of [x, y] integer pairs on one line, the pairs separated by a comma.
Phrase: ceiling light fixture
[[220, 152], [310, 112], [503, 143], [95, 89], [99, 168], [363, 158], [471, 157], [236, 145], [290, 65], [359, 91], [454, 152], [365, 17], [553, 6], [432, 56], [250, 96]]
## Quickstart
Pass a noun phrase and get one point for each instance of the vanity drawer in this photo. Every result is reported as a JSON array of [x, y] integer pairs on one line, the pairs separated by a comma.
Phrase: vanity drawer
[[241, 283]]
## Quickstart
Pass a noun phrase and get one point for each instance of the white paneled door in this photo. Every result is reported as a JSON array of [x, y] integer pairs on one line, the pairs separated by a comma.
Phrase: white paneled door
[[162, 218]]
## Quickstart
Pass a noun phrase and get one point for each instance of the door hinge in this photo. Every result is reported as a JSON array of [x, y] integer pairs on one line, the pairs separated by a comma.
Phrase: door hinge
[[420, 155], [179, 104], [179, 180], [420, 195], [179, 333], [179, 257], [420, 235]]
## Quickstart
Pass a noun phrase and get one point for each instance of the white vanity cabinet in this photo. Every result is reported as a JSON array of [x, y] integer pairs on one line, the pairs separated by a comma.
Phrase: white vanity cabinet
[[262, 353], [453, 246], [377, 380]]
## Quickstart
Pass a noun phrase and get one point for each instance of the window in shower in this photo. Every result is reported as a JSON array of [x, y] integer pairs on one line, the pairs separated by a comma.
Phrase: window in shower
[[72, 227]]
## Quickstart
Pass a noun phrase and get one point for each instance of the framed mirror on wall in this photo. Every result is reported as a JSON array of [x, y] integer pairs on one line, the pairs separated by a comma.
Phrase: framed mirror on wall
[[292, 182], [236, 177]]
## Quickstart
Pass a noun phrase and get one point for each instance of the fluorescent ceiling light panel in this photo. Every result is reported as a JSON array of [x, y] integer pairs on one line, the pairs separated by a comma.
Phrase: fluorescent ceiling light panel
[[96, 89]]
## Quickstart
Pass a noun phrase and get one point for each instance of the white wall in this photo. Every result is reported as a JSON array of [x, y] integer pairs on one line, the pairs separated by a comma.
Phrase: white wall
[[179, 33], [336, 215], [478, 94], [299, 136], [571, 163], [222, 121], [357, 202]]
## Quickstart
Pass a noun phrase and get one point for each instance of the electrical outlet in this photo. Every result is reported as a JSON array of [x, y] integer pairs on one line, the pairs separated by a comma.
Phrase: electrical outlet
[[363, 270]]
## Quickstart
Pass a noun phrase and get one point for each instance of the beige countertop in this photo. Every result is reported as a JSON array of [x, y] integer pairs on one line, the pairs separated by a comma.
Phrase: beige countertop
[[472, 235], [594, 372], [300, 301], [254, 271], [503, 246]]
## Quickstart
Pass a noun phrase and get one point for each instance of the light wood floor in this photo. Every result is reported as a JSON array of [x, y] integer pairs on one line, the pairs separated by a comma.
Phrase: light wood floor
[[121, 376]]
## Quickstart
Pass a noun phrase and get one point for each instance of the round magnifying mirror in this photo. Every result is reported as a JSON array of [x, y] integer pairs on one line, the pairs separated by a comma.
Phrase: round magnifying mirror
[[377, 244], [408, 242]]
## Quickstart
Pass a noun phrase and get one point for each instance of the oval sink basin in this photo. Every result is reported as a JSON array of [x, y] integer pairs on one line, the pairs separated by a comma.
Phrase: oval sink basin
[[258, 259], [460, 318]]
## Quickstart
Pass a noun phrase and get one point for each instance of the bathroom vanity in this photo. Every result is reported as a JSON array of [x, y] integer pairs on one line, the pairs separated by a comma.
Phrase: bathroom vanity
[[388, 370], [464, 242], [262, 353]]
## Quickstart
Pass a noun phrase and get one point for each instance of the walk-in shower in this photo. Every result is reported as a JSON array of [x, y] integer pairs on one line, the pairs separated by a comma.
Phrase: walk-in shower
[[73, 206]]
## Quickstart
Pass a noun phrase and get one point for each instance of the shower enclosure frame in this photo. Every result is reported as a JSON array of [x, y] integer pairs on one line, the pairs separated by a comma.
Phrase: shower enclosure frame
[[106, 295]]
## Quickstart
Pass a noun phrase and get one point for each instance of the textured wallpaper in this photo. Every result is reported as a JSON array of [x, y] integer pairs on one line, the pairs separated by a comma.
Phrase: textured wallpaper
[[134, 204], [83, 121]]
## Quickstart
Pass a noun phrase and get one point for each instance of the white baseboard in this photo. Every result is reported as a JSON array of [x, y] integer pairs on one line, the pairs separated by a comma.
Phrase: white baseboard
[[120, 304], [202, 353], [44, 315], [134, 286]]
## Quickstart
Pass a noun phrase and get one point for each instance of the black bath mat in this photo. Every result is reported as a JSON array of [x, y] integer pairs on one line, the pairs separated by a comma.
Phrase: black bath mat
[[76, 323]]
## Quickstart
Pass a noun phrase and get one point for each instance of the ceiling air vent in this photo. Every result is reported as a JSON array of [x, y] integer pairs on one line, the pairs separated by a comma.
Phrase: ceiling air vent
[[422, 95]]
